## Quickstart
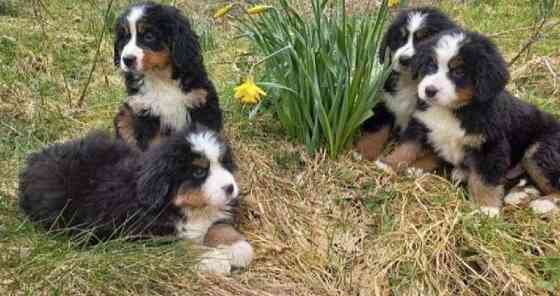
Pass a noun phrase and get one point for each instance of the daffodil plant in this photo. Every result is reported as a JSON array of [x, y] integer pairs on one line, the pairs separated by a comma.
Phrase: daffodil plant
[[328, 77]]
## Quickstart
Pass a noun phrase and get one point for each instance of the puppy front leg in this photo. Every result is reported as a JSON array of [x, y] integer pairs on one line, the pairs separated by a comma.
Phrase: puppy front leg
[[488, 196], [488, 167], [230, 248]]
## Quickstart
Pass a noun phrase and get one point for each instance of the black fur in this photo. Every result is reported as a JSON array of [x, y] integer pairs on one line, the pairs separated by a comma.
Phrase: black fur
[[101, 186], [173, 33]]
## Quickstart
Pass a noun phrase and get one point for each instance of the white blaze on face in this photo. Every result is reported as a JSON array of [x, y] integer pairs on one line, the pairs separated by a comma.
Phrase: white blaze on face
[[446, 49], [219, 178], [414, 23], [131, 49]]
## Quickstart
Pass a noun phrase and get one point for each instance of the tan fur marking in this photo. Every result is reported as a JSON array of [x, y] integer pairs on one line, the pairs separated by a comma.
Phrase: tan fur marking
[[156, 60], [222, 234], [464, 95], [201, 162], [192, 199], [371, 145], [483, 194], [404, 155], [535, 171], [198, 97], [124, 125], [430, 162]]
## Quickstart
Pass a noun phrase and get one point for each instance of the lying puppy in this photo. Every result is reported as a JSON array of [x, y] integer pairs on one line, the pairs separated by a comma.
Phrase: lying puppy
[[167, 84], [99, 189], [467, 116], [400, 90]]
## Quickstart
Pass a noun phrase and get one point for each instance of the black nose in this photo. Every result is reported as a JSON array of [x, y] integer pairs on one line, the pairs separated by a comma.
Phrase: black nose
[[431, 91], [405, 61], [129, 61], [229, 189]]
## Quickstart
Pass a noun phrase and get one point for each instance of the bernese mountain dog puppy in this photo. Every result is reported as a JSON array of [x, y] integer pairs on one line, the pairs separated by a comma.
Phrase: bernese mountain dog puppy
[[166, 81], [393, 113], [98, 188], [470, 120]]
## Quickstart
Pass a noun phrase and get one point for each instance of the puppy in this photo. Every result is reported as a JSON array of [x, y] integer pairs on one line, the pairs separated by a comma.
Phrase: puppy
[[399, 92], [167, 85], [467, 116], [97, 189]]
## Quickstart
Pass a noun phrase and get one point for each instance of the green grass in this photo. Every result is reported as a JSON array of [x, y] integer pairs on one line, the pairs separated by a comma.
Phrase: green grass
[[319, 226]]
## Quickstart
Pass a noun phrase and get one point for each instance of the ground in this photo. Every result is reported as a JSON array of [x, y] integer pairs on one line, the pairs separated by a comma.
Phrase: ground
[[319, 226]]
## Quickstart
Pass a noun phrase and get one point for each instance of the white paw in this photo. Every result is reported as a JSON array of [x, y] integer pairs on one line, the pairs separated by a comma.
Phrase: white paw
[[138, 104], [489, 211], [384, 167], [518, 195], [241, 254], [215, 261], [543, 206], [416, 172], [458, 176]]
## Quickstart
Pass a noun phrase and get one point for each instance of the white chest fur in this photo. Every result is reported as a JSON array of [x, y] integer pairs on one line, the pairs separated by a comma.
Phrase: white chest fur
[[403, 101], [446, 135], [164, 98], [195, 227]]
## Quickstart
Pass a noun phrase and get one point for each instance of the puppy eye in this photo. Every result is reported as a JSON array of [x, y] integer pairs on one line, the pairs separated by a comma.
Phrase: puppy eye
[[458, 72], [404, 33], [199, 173], [422, 34], [149, 37]]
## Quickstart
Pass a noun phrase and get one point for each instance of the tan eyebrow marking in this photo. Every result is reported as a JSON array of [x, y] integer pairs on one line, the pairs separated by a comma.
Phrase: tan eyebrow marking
[[201, 162]]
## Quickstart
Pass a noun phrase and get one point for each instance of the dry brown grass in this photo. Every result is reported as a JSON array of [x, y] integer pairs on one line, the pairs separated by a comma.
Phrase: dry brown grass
[[319, 227]]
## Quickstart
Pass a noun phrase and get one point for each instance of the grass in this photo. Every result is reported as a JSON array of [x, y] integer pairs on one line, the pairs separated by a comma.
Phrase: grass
[[319, 226]]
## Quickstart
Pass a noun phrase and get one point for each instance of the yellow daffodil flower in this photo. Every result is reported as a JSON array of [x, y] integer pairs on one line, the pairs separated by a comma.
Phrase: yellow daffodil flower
[[249, 92], [393, 3], [258, 9], [223, 11]]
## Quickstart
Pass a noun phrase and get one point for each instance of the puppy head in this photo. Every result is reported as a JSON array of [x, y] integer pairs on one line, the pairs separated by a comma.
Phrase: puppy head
[[457, 68], [151, 36], [408, 29], [193, 169]]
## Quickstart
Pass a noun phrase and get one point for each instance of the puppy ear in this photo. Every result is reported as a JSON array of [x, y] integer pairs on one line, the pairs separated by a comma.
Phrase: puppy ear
[[185, 49], [116, 49], [490, 72], [154, 181]]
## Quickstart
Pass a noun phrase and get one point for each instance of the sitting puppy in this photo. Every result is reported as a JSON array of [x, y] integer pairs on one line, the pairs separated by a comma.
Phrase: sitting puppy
[[167, 84], [467, 116], [400, 90], [99, 189]]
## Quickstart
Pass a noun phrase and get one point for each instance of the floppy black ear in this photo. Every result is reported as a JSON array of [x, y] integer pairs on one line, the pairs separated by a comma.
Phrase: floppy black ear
[[185, 49], [154, 181], [490, 72], [116, 49]]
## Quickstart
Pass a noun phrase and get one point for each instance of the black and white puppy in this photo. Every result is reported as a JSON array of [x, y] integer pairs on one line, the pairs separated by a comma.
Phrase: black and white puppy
[[99, 188], [468, 117], [400, 90], [167, 84]]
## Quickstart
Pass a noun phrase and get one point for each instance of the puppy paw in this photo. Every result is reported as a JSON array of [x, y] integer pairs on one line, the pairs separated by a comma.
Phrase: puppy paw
[[521, 194], [241, 254], [543, 206], [384, 167], [416, 172], [489, 211], [458, 176], [138, 104], [215, 261]]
